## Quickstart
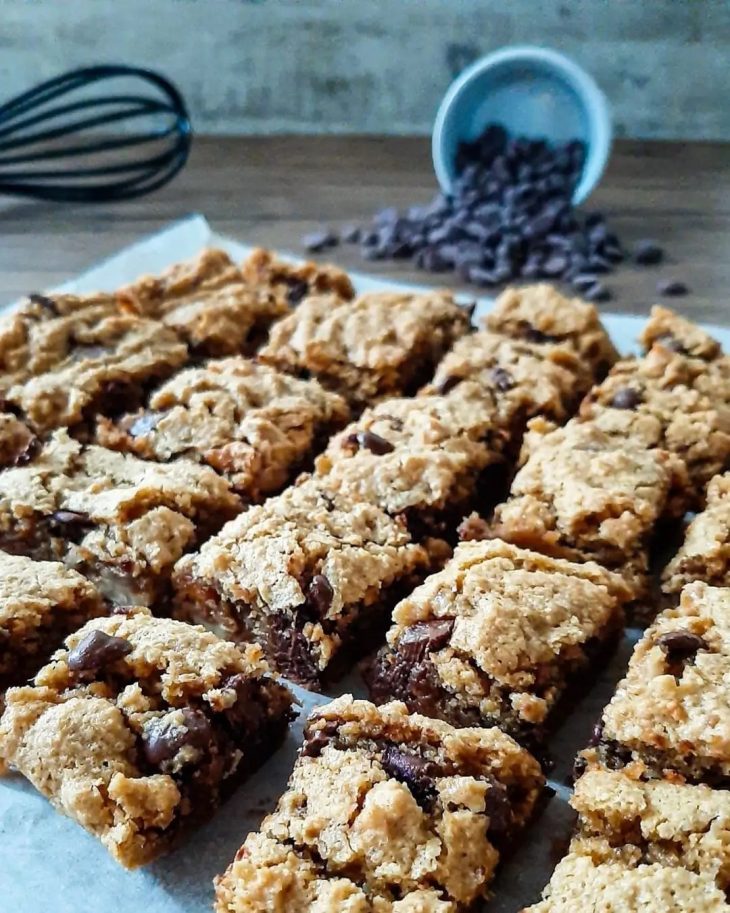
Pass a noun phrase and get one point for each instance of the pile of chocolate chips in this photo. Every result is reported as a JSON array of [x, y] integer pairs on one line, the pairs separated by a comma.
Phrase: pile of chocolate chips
[[510, 216]]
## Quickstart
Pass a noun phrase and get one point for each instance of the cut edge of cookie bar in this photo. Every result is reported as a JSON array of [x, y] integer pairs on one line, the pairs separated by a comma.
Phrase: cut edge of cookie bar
[[669, 717], [41, 603], [256, 426], [540, 314], [499, 637], [654, 821], [310, 577], [208, 303], [379, 344], [139, 726], [385, 811], [705, 551], [581, 882]]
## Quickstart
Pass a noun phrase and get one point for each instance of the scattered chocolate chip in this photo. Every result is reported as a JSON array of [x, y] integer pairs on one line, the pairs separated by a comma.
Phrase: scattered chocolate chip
[[370, 441], [448, 383], [671, 288], [297, 291], [45, 302], [320, 594], [290, 651], [146, 422], [680, 645], [96, 650], [626, 398], [416, 772], [163, 737], [648, 253], [582, 281], [317, 241], [502, 379], [70, 518], [597, 292], [350, 234]]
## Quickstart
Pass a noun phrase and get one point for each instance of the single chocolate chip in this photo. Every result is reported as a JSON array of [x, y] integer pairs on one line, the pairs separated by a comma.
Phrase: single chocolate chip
[[317, 241], [648, 253], [671, 288], [425, 637], [146, 422], [596, 734], [96, 650], [290, 651], [680, 645], [25, 450], [70, 518], [416, 772], [165, 736], [626, 398], [45, 302], [579, 768], [583, 281], [318, 739], [370, 441], [597, 292], [448, 383], [297, 291], [351, 234], [498, 809], [555, 266], [320, 594], [502, 379], [532, 334]]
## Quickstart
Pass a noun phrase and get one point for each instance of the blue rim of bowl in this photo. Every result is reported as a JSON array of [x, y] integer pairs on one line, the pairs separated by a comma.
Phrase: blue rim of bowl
[[582, 82]]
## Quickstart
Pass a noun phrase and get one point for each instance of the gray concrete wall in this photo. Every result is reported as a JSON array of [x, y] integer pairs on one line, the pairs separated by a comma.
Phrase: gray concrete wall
[[380, 66]]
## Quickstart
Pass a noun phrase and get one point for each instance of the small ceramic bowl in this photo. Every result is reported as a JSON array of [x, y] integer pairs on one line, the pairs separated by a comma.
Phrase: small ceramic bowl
[[533, 92]]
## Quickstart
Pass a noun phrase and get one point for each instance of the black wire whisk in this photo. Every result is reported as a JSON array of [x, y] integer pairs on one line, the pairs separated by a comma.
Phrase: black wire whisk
[[70, 140]]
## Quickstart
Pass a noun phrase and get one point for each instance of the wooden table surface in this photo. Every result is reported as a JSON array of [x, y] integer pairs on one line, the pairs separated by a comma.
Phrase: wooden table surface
[[272, 190]]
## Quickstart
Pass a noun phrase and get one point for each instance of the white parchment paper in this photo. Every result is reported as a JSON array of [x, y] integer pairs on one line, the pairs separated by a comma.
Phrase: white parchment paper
[[50, 865]]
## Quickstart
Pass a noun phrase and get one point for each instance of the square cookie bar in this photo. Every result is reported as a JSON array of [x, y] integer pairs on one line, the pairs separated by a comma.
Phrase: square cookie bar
[[121, 521], [139, 726], [380, 344], [40, 603], [385, 813], [582, 495], [670, 716], [540, 314], [658, 401], [427, 460], [705, 552], [67, 360], [208, 303], [292, 282], [306, 575], [254, 425], [497, 636]]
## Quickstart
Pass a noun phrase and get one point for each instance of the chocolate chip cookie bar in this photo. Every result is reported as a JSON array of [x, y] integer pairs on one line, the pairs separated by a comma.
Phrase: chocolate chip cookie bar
[[41, 602], [582, 495], [523, 379], [68, 360], [705, 552], [670, 716], [140, 725], [208, 303], [293, 282], [540, 314], [381, 344], [427, 460], [121, 521], [497, 636], [306, 575], [254, 425], [385, 811], [655, 402]]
